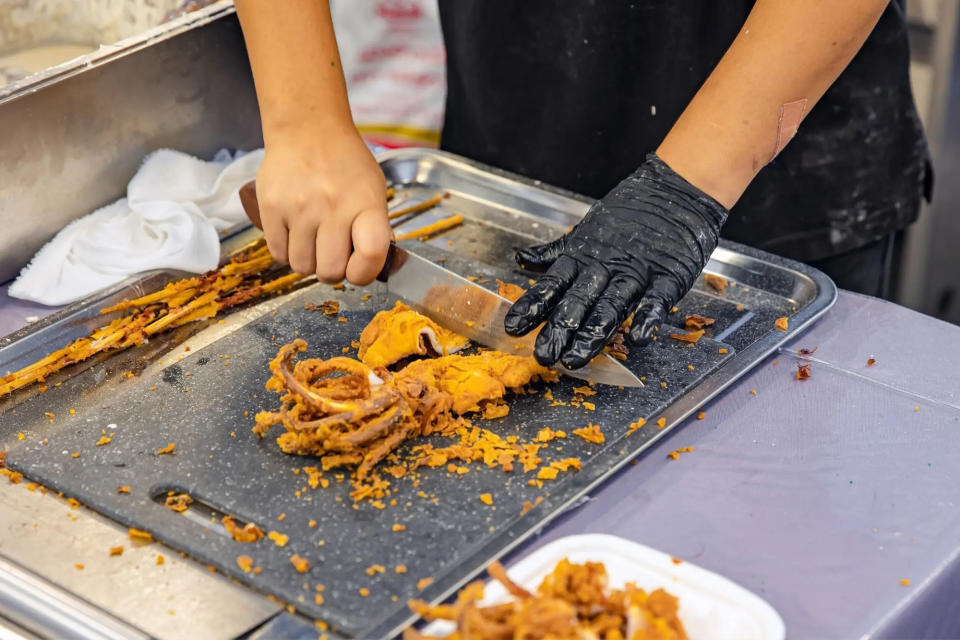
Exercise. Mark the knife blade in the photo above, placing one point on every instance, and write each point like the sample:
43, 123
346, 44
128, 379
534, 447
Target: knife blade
477, 313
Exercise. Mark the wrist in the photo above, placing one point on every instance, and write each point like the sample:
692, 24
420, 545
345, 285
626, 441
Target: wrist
722, 176
319, 135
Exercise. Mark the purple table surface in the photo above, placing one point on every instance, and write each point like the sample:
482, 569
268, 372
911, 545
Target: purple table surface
820, 495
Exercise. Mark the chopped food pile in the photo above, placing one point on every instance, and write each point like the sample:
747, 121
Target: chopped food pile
355, 413
573, 602
179, 303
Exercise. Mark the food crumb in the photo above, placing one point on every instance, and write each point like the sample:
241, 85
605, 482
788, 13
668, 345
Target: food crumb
721, 351
301, 564
312, 524
364, 592
167, 449
803, 371
486, 498
916, 408
397, 527
753, 392
279, 539
701, 415
717, 283
781, 324
423, 583
116, 551
160, 560
675, 454
123, 489
103, 440
871, 362
676, 560
401, 568
375, 569
591, 433
661, 423
75, 454
589, 406
634, 426
140, 535
245, 563
905, 582
78, 567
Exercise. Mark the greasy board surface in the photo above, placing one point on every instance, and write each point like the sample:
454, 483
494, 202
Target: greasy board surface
205, 404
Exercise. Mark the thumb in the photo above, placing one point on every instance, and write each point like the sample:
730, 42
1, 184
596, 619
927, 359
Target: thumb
541, 256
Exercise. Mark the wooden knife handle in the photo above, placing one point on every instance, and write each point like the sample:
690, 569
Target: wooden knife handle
248, 198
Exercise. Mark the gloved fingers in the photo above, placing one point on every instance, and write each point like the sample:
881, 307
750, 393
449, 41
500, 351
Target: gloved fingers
540, 257
570, 312
536, 304
663, 293
603, 322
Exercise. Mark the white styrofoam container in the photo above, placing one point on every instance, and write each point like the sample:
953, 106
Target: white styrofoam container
711, 606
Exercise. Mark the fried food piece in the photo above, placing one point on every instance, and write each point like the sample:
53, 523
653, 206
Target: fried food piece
359, 418
573, 602
472, 380
400, 333
178, 303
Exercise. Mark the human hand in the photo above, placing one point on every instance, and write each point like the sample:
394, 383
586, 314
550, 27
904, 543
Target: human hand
639, 250
323, 207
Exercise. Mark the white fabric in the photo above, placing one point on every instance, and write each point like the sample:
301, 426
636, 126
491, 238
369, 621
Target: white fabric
170, 219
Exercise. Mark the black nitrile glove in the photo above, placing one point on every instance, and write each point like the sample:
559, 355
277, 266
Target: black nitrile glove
639, 249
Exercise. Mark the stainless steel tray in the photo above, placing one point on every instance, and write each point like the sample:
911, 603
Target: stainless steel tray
504, 211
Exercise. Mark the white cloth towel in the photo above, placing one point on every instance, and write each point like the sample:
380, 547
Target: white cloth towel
175, 206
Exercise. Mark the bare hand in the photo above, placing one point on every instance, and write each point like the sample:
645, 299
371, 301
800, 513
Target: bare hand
323, 207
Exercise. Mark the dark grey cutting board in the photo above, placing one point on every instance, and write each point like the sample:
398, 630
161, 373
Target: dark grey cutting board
449, 535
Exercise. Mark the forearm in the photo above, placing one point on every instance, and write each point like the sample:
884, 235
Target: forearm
296, 67
788, 51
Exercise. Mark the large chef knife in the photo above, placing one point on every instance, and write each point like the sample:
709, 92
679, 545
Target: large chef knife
477, 313
463, 306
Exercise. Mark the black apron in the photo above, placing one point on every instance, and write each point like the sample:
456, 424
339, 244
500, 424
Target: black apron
576, 92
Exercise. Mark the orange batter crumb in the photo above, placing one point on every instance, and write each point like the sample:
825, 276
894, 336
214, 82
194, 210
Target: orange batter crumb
397, 527
245, 563
781, 324
167, 449
139, 535
123, 489
591, 433
301, 564
717, 283
691, 337
250, 532
279, 539
486, 498
423, 583
116, 551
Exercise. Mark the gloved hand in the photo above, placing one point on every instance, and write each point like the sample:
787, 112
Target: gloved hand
639, 249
